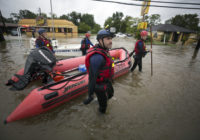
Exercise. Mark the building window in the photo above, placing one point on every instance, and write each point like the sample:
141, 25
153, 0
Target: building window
69, 30
48, 29
65, 30
59, 30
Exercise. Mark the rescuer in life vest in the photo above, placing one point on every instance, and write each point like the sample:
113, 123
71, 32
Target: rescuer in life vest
42, 40
85, 43
140, 51
100, 67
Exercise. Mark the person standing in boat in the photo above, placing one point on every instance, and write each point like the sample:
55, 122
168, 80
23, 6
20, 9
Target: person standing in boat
42, 40
100, 67
85, 43
140, 51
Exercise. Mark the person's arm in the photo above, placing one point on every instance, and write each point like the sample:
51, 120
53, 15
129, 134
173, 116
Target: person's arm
96, 62
89, 42
38, 43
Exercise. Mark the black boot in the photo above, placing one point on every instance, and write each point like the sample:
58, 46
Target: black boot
102, 110
88, 100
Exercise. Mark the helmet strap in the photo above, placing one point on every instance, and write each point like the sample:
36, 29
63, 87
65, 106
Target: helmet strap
103, 43
43, 36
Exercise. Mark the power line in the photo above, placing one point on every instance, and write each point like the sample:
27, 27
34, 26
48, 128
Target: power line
132, 4
169, 2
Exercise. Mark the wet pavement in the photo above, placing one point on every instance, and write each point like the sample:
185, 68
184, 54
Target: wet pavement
164, 106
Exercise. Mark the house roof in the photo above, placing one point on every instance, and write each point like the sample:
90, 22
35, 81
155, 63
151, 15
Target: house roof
9, 24
57, 22
170, 28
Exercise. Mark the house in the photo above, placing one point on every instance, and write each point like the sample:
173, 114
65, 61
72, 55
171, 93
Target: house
62, 28
9, 27
173, 33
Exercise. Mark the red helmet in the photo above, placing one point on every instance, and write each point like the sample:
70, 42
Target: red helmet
87, 35
143, 33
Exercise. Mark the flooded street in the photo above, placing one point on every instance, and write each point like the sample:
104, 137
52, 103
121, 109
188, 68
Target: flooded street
165, 106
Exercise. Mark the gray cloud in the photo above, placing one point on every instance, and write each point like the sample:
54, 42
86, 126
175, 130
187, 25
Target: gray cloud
101, 11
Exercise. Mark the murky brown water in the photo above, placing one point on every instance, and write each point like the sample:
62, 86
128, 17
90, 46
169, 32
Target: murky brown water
165, 106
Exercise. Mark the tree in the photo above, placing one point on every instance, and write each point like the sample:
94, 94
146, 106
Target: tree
85, 22
96, 28
126, 24
83, 28
75, 17
88, 19
54, 16
22, 14
64, 17
153, 19
44, 15
26, 14
115, 21
109, 21
189, 21
15, 17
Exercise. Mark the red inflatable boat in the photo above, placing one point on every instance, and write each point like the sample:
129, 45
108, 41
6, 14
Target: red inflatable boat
49, 96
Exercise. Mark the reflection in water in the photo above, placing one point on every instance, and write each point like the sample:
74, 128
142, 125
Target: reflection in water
2, 45
164, 106
195, 53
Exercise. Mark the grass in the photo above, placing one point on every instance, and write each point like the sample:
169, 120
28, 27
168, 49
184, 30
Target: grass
161, 43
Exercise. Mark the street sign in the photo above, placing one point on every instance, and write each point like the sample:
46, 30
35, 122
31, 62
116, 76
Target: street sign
142, 25
145, 7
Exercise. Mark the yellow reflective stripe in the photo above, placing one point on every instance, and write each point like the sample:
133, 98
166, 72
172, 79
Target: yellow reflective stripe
113, 64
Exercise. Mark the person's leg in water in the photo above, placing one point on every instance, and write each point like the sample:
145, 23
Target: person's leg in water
109, 90
88, 100
104, 92
140, 64
102, 99
134, 65
83, 52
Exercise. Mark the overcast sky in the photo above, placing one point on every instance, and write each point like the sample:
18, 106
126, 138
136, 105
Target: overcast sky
100, 10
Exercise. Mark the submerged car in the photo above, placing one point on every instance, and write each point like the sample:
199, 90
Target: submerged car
120, 35
14, 32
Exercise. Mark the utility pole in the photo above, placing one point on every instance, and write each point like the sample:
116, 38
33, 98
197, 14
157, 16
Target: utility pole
39, 10
52, 20
4, 28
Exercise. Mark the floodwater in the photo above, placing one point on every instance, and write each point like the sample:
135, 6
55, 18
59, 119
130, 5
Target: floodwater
165, 106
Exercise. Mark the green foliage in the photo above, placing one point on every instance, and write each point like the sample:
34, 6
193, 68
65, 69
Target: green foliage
96, 28
88, 19
189, 21
116, 21
167, 36
83, 28
64, 17
85, 22
129, 24
75, 17
54, 16
44, 15
26, 14
137, 34
22, 14
154, 19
